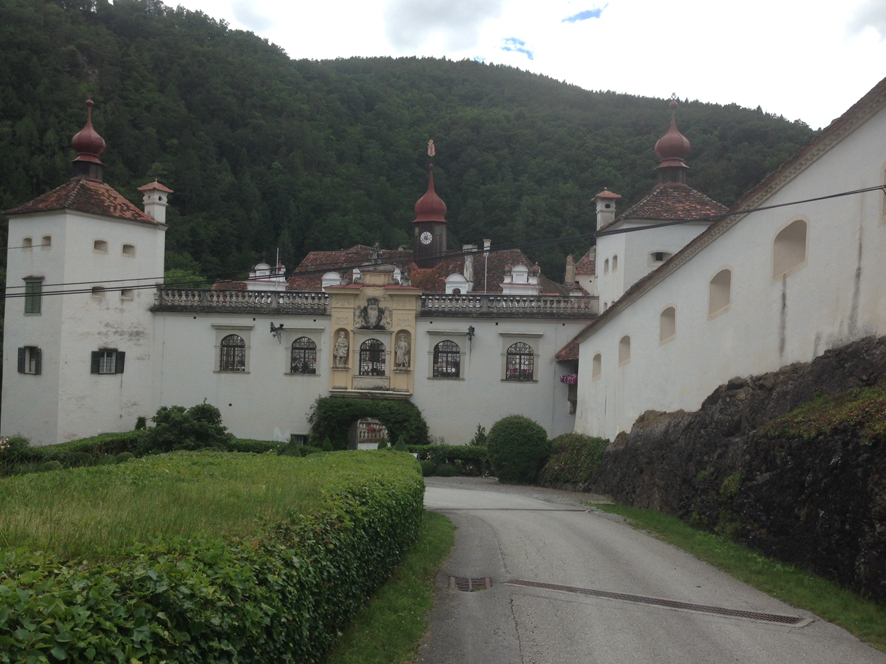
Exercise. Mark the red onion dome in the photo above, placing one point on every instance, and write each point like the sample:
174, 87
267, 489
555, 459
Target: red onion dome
673, 147
430, 207
87, 142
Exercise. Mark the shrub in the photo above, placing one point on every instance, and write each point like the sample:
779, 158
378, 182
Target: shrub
141, 423
474, 459
51, 465
428, 468
327, 445
401, 444
177, 428
383, 444
574, 459
123, 456
13, 451
517, 448
446, 470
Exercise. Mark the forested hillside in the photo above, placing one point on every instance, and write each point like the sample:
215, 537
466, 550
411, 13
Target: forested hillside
264, 152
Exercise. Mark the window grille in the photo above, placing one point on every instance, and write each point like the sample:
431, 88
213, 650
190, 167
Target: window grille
233, 354
447, 360
304, 356
372, 358
520, 362
33, 297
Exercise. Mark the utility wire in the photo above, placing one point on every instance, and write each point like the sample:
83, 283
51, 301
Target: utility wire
338, 267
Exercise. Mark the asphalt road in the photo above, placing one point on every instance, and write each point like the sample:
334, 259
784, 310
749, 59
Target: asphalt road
619, 596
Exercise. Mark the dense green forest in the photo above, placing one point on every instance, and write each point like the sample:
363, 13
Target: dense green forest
265, 152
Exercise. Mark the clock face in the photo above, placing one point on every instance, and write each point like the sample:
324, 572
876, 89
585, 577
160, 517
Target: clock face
425, 238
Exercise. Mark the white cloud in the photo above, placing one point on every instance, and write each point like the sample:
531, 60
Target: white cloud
872, 14
247, 15
409, 24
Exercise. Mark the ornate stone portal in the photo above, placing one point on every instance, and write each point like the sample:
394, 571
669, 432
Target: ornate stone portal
373, 355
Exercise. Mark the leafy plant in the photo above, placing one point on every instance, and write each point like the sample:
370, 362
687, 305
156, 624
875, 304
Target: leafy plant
517, 448
479, 438
177, 428
331, 417
574, 459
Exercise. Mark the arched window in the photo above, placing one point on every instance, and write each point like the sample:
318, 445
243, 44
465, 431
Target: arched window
624, 350
447, 360
789, 248
720, 292
597, 368
667, 324
303, 359
372, 358
520, 362
614, 263
233, 354
606, 266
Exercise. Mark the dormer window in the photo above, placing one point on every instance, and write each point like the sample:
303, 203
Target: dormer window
100, 246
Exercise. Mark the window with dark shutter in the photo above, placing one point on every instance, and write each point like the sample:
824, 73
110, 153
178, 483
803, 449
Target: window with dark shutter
107, 361
30, 360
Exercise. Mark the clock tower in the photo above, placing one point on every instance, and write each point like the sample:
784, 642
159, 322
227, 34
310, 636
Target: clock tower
429, 243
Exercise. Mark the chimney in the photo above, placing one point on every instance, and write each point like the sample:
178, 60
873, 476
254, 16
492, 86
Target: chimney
605, 208
570, 269
155, 200
469, 251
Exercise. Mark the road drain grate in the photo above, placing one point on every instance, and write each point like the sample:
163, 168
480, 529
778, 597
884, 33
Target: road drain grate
671, 604
466, 585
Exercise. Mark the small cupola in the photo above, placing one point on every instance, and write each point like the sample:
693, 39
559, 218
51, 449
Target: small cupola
89, 146
671, 149
155, 199
605, 207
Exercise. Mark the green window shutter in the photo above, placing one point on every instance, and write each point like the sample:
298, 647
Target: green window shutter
21, 360
121, 358
38, 361
95, 362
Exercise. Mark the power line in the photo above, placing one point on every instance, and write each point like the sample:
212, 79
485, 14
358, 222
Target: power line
338, 267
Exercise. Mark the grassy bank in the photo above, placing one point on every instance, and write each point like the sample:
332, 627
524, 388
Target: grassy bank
390, 628
863, 618
91, 512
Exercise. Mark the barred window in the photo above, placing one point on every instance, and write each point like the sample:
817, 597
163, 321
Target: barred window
520, 362
233, 354
372, 358
304, 356
33, 296
447, 360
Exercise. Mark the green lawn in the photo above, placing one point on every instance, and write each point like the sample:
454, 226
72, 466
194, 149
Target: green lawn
96, 511
863, 618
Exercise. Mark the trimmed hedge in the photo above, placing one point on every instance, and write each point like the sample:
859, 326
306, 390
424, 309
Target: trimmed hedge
331, 417
517, 447
281, 596
574, 459
467, 459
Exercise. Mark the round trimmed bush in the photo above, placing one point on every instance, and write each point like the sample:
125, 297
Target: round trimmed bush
428, 468
517, 448
446, 470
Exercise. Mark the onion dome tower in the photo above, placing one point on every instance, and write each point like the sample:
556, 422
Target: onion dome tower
671, 149
89, 145
429, 243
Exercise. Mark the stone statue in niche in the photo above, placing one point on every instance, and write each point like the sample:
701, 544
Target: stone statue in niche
340, 351
372, 316
401, 352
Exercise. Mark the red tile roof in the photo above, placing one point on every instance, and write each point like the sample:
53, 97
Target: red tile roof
586, 266
569, 352
85, 196
673, 203
309, 274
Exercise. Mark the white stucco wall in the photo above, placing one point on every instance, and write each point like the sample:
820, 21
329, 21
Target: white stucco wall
454, 407
66, 398
837, 296
265, 400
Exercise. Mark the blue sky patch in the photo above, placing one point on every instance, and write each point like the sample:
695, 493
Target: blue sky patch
585, 15
515, 45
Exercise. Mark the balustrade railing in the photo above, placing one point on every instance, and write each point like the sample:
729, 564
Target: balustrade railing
541, 306
291, 302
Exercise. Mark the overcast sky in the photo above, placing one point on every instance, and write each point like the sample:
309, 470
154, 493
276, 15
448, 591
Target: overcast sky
803, 59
